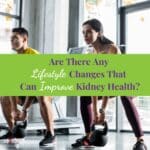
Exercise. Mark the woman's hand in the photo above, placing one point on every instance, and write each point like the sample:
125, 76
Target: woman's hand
99, 117
96, 117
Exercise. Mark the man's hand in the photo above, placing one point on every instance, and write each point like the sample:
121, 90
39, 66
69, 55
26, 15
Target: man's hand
16, 113
23, 115
19, 116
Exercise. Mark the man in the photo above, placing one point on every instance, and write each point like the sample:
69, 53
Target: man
19, 43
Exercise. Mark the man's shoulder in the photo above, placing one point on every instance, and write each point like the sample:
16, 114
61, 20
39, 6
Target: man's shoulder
30, 50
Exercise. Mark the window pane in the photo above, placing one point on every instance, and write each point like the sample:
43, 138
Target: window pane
143, 105
105, 11
10, 6
138, 32
131, 2
7, 24
111, 113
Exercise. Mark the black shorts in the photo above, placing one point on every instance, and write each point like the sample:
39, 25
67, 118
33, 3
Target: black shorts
23, 98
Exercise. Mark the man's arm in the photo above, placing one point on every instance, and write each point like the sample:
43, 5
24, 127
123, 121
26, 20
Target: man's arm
26, 106
27, 103
14, 100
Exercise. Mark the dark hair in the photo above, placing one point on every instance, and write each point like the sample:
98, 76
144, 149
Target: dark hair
98, 27
20, 31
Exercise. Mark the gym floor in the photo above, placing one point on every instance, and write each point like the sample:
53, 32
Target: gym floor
121, 141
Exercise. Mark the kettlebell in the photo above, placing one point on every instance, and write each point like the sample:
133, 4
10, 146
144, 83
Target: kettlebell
19, 131
99, 136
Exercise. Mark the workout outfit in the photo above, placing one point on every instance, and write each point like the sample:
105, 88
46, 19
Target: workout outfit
129, 107
131, 113
48, 139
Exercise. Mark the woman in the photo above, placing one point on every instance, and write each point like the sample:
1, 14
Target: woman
93, 35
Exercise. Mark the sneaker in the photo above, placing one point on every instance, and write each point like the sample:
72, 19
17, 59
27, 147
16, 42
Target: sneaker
83, 142
81, 139
76, 144
8, 135
48, 141
139, 145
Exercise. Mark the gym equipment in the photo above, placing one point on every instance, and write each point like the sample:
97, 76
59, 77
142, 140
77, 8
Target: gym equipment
67, 125
99, 135
140, 146
3, 131
19, 131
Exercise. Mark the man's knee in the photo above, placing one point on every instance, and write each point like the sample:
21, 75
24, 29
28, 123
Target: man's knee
45, 100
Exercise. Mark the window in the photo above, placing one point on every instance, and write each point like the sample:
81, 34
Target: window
105, 11
136, 28
143, 105
10, 6
138, 32
10, 17
110, 112
131, 2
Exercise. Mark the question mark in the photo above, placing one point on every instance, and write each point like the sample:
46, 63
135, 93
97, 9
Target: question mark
138, 84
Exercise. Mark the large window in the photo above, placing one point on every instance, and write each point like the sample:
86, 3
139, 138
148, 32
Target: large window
10, 17
10, 7
105, 11
135, 30
143, 105
131, 2
110, 113
135, 33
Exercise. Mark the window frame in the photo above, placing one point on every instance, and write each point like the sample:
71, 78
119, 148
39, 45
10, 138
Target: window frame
17, 17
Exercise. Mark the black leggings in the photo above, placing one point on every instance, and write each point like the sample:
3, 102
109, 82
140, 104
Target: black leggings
130, 110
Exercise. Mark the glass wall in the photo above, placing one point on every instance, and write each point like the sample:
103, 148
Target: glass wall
137, 41
143, 105
111, 113
105, 11
10, 6
7, 23
137, 32
9, 18
131, 2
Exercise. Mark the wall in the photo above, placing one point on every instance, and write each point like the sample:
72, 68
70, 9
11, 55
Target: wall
47, 22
